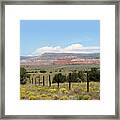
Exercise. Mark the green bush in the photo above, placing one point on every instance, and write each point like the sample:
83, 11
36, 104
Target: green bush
80, 97
64, 98
94, 75
43, 71
63, 90
86, 97
73, 77
52, 90
59, 78
23, 75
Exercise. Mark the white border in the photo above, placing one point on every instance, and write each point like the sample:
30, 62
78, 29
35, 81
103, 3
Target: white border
104, 13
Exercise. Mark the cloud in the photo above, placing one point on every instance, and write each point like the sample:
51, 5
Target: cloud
48, 50
74, 48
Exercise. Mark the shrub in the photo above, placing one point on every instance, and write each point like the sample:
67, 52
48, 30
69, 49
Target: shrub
56, 97
94, 75
23, 75
52, 90
32, 97
86, 97
59, 78
77, 90
73, 77
63, 90
64, 98
80, 97
43, 71
43, 95
81, 76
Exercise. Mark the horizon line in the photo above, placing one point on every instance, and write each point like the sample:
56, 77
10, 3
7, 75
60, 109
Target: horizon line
62, 53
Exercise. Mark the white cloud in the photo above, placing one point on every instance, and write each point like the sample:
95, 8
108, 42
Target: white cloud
74, 48
47, 49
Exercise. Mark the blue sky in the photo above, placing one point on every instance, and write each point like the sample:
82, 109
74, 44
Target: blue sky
39, 36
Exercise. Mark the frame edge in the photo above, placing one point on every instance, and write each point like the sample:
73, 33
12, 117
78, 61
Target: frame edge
2, 55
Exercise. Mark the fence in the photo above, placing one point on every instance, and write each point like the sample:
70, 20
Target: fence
45, 80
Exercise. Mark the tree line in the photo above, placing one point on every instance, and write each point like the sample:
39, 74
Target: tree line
81, 76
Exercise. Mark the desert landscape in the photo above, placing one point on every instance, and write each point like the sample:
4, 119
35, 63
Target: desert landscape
60, 60
42, 84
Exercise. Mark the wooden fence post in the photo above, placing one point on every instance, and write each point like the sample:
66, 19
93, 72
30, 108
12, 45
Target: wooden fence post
39, 80
43, 81
69, 81
87, 83
49, 81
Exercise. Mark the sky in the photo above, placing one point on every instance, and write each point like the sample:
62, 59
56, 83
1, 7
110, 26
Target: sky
59, 36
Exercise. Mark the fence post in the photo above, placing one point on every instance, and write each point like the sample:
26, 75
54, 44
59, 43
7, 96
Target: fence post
49, 81
43, 81
39, 80
69, 81
87, 83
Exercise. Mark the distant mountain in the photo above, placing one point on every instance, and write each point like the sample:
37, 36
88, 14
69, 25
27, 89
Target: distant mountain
60, 59
52, 56
70, 55
26, 57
